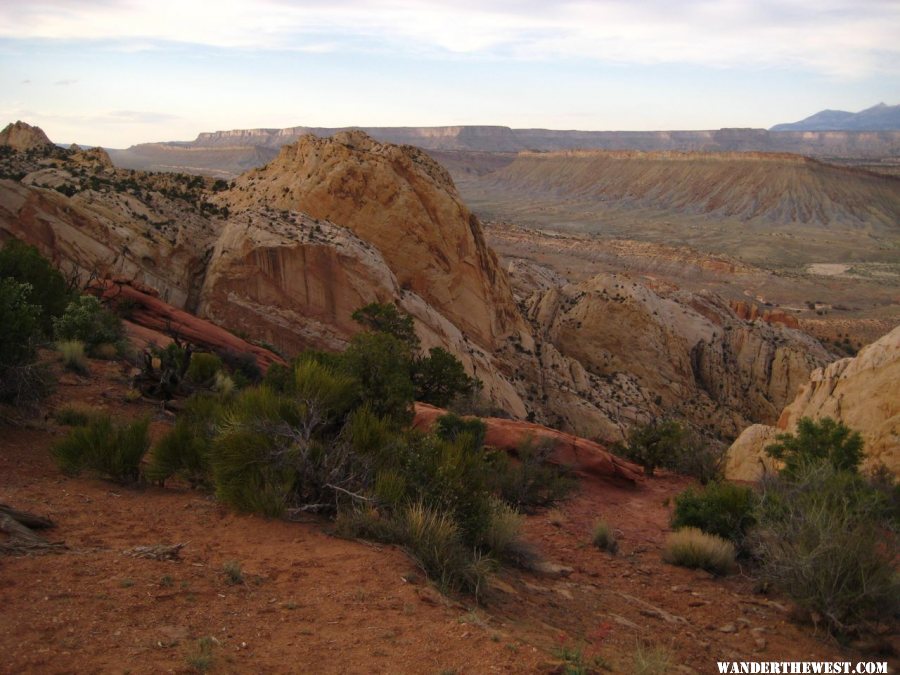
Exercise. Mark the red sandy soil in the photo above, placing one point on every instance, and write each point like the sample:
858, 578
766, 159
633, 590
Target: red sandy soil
314, 603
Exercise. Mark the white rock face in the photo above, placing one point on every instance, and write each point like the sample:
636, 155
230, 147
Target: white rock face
862, 392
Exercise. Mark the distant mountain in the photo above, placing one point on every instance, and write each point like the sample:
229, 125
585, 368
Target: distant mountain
881, 117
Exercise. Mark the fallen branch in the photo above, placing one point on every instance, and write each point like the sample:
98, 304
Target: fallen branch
647, 609
347, 492
158, 552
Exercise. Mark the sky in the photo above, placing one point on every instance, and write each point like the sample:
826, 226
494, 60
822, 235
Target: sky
120, 72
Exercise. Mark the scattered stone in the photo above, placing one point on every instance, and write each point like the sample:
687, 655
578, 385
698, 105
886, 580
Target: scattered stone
728, 628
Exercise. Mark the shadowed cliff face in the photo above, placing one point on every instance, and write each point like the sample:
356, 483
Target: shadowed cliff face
405, 204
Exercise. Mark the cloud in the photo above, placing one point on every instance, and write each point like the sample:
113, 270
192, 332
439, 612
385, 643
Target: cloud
835, 37
64, 83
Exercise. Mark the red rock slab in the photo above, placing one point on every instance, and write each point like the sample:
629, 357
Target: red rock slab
157, 315
585, 457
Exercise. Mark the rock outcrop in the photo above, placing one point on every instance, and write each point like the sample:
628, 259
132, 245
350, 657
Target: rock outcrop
585, 457
672, 352
862, 392
288, 252
405, 204
23, 137
148, 311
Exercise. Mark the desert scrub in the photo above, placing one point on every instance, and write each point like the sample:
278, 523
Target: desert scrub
721, 508
433, 539
110, 449
233, 573
501, 537
203, 369
604, 538
75, 415
201, 657
651, 659
73, 356
531, 482
691, 547
824, 440
824, 539
185, 449
86, 319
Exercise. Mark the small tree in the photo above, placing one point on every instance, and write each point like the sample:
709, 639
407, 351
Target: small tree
823, 441
386, 318
655, 444
381, 364
440, 377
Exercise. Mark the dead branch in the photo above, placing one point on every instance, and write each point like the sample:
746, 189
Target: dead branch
158, 552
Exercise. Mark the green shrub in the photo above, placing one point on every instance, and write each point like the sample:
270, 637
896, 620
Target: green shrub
450, 427
433, 539
690, 547
203, 368
278, 377
720, 508
367, 522
450, 476
822, 540
49, 290
281, 450
603, 537
73, 358
233, 573
818, 441
243, 366
110, 449
531, 481
21, 322
85, 319
501, 537
186, 447
75, 415
253, 456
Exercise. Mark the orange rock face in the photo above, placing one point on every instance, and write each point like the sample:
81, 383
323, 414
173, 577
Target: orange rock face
152, 313
749, 311
405, 204
587, 458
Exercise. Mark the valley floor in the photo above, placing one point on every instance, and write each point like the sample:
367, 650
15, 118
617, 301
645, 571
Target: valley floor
311, 602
